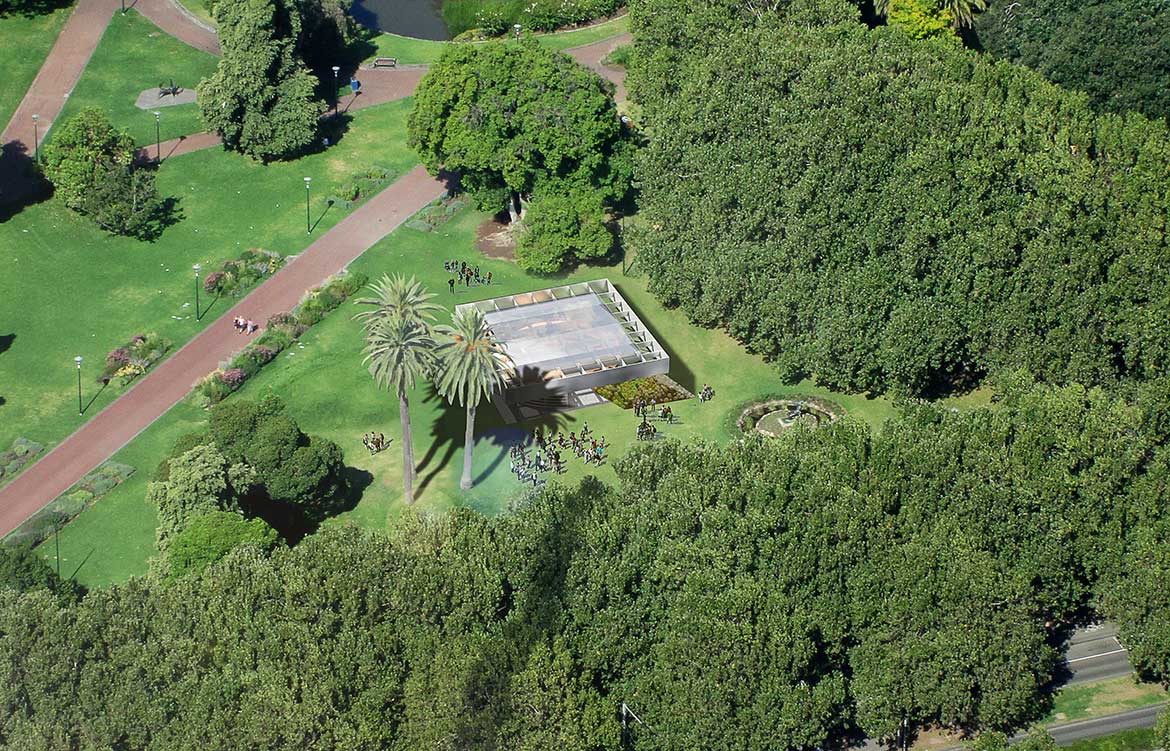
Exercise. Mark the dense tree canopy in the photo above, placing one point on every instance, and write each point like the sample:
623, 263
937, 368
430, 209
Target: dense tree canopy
1118, 51
260, 98
880, 212
521, 123
767, 594
92, 167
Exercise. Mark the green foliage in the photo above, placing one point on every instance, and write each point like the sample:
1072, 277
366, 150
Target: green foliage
968, 218
198, 482
1139, 598
91, 166
209, 537
492, 17
23, 570
765, 594
921, 19
327, 30
293, 467
518, 121
1162, 729
561, 229
624, 394
260, 99
1117, 51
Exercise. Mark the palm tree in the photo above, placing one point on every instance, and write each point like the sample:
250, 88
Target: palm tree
400, 352
471, 365
398, 297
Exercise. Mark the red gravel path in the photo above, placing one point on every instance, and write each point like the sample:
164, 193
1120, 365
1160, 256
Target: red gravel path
163, 387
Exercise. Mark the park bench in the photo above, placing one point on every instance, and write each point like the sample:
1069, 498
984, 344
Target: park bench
385, 62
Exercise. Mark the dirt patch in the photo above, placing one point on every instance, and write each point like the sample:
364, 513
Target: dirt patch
494, 239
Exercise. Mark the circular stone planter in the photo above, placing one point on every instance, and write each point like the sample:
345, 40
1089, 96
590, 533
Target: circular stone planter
773, 417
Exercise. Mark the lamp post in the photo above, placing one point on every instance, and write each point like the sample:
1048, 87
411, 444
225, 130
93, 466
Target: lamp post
77, 360
37, 138
196, 267
157, 136
123, 7
336, 96
516, 28
308, 222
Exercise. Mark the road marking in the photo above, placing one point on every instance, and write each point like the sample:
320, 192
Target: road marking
1093, 657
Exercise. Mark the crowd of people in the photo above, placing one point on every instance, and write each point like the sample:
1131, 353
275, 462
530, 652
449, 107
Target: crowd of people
547, 453
706, 393
375, 442
245, 325
463, 273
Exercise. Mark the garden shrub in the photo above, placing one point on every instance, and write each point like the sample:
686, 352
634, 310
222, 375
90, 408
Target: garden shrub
625, 394
133, 358
210, 536
21, 453
37, 528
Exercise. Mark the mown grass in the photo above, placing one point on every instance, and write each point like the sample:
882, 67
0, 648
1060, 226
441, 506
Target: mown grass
409, 50
1101, 698
67, 288
1135, 739
25, 41
135, 55
330, 393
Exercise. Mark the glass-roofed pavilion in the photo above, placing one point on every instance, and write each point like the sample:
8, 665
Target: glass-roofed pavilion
570, 339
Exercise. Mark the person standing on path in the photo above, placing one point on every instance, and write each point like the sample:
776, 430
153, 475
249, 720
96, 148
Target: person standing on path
451, 282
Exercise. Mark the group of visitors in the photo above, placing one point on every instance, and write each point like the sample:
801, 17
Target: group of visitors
245, 325
706, 393
375, 443
646, 410
547, 457
461, 271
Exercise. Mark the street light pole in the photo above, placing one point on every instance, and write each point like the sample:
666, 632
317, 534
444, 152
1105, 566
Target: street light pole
123, 7
77, 360
196, 267
308, 221
157, 136
336, 96
37, 138
517, 29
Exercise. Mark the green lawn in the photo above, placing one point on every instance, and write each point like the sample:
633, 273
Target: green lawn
134, 55
1100, 698
24, 43
330, 393
409, 50
1137, 739
67, 288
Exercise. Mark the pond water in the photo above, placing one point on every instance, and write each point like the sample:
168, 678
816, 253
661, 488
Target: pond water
411, 18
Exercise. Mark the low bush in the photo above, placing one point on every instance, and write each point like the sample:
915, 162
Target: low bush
238, 275
69, 504
625, 394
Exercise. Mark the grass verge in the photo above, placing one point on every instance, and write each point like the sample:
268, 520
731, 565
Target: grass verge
1100, 698
1135, 739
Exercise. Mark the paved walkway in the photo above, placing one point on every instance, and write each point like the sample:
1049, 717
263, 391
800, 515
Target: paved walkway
170, 381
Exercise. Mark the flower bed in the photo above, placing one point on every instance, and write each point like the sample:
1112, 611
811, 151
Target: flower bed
436, 213
14, 459
133, 358
660, 390
361, 185
237, 275
282, 330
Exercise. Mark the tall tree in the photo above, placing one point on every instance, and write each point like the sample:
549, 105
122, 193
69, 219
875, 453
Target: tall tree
400, 353
260, 98
514, 119
471, 365
397, 297
91, 165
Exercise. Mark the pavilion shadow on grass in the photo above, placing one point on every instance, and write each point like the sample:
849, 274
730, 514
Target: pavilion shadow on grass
566, 341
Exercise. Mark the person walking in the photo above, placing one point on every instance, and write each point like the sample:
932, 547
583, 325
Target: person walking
451, 283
